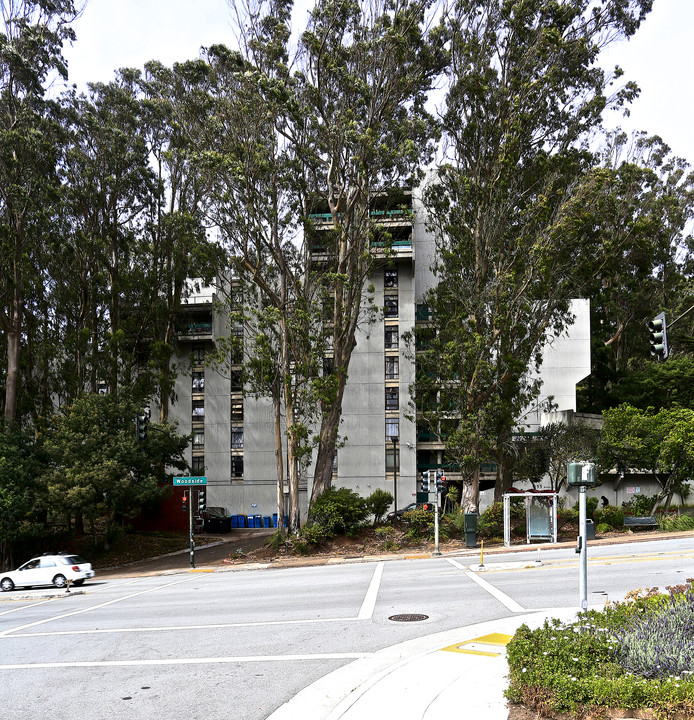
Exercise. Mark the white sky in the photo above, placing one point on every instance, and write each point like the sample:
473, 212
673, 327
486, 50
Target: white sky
127, 33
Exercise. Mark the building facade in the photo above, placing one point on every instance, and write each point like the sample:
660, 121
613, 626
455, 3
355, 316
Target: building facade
233, 436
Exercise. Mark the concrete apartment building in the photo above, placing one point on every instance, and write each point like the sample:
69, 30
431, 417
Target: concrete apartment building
233, 436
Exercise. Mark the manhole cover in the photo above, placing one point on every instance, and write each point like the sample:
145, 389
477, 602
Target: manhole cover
408, 618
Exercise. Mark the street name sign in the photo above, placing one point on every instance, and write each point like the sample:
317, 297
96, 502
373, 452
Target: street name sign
190, 481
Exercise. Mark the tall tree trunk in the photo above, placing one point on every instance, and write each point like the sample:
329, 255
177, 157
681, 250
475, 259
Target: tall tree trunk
280, 463
13, 344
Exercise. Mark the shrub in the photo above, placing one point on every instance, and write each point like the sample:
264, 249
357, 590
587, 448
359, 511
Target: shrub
421, 523
314, 534
378, 503
603, 528
386, 534
672, 522
639, 505
339, 511
591, 507
660, 644
589, 665
491, 522
611, 515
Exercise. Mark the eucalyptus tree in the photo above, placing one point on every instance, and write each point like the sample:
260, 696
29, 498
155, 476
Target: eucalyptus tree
31, 43
524, 97
632, 214
250, 166
111, 188
174, 108
343, 122
364, 74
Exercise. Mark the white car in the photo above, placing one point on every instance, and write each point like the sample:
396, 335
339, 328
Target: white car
55, 570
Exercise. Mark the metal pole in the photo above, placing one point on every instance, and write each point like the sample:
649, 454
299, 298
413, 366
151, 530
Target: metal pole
436, 519
583, 573
190, 524
396, 460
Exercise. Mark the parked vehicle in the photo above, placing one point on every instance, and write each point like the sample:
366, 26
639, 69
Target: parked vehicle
55, 570
397, 514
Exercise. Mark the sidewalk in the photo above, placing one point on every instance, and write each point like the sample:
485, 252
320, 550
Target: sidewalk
429, 678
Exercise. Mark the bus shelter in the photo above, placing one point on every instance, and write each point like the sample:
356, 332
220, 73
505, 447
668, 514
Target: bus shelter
540, 515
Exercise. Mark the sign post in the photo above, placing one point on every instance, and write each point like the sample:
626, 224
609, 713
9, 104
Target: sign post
582, 475
189, 483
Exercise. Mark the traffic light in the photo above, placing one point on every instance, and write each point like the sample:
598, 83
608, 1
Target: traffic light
142, 420
658, 337
202, 501
186, 506
440, 480
425, 481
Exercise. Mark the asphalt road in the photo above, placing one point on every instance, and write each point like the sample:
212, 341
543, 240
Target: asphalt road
221, 642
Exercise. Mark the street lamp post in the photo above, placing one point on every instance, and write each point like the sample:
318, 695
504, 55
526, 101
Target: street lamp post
394, 439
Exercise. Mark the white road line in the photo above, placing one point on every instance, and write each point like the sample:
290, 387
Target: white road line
7, 633
179, 628
369, 603
188, 661
29, 605
503, 598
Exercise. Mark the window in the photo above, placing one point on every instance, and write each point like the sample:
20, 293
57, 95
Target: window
237, 438
198, 355
392, 427
236, 466
390, 302
197, 465
391, 338
198, 440
392, 368
236, 383
328, 366
198, 382
237, 411
198, 409
392, 398
390, 279
392, 459
237, 345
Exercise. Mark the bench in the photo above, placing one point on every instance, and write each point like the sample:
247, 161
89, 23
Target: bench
645, 521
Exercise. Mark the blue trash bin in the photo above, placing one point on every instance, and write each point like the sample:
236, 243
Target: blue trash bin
266, 521
258, 521
234, 521
274, 520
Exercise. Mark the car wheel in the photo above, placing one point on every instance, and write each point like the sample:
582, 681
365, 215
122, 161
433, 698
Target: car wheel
59, 581
78, 582
6, 584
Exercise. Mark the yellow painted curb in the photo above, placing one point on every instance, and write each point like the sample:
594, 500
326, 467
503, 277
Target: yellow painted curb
493, 639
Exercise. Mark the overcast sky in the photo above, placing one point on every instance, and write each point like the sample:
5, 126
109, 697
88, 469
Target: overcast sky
127, 33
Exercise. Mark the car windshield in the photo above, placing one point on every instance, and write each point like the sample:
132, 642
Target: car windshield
72, 560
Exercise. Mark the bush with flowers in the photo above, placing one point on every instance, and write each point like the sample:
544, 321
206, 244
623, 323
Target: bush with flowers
636, 656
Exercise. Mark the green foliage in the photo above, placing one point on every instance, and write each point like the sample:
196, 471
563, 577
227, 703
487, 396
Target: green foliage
421, 524
591, 507
639, 505
339, 511
277, 540
610, 515
661, 443
673, 522
603, 528
378, 503
314, 533
386, 534
490, 523
585, 665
